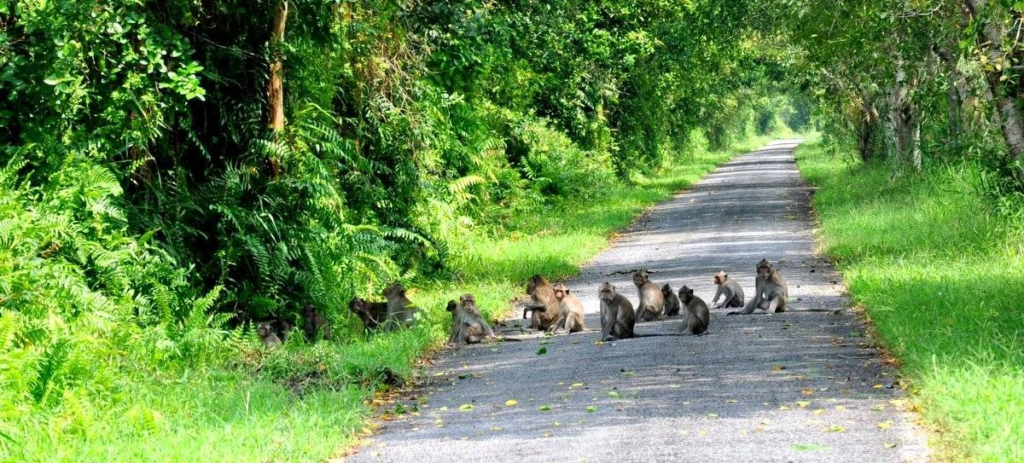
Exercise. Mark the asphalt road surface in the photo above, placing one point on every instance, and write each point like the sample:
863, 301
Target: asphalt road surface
801, 386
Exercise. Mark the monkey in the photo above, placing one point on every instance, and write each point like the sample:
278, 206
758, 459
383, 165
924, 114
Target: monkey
617, 316
313, 322
771, 292
468, 325
284, 327
730, 289
697, 314
267, 336
671, 301
372, 314
570, 311
401, 311
652, 303
544, 305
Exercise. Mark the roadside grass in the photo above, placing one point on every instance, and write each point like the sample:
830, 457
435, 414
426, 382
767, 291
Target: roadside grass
942, 277
309, 402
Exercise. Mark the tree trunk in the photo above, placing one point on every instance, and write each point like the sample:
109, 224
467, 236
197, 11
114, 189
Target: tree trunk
275, 90
1011, 124
867, 131
905, 123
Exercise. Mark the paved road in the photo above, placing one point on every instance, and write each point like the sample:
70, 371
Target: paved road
800, 386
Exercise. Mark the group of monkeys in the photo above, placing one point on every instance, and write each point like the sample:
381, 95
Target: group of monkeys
554, 308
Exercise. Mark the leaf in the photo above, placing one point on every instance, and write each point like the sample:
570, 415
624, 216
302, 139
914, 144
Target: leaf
803, 403
885, 424
545, 408
890, 445
613, 394
511, 403
591, 409
542, 351
712, 415
837, 428
809, 447
577, 385
465, 407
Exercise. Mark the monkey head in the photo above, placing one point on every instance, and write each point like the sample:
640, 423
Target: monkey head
720, 277
468, 303
666, 290
263, 329
685, 293
308, 310
395, 290
560, 291
641, 277
357, 305
606, 292
764, 268
452, 305
535, 282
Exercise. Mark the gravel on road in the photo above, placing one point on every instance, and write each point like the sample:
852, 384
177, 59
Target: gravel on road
807, 385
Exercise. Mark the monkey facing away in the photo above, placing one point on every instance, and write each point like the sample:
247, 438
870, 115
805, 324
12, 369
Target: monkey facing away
267, 336
543, 303
401, 311
617, 316
696, 312
731, 290
652, 303
372, 314
671, 301
468, 325
570, 311
771, 292
313, 323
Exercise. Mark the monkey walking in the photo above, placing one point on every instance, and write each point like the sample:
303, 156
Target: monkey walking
771, 292
730, 289
543, 303
617, 316
570, 311
696, 310
672, 303
652, 302
372, 314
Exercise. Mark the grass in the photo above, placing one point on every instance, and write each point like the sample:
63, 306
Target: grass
311, 402
942, 279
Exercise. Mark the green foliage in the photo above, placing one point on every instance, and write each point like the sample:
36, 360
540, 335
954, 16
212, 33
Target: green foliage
943, 290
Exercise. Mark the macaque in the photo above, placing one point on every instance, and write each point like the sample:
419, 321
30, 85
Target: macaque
696, 311
771, 292
468, 324
730, 289
671, 301
267, 336
313, 323
652, 303
372, 314
401, 311
543, 303
617, 316
570, 311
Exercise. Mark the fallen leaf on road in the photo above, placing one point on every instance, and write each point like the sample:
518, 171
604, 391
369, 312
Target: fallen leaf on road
598, 343
803, 403
819, 411
731, 401
545, 408
784, 408
712, 415
613, 394
885, 424
837, 429
807, 391
878, 386
591, 409
808, 447
675, 385
890, 445
511, 402
465, 407
542, 351
778, 367
577, 385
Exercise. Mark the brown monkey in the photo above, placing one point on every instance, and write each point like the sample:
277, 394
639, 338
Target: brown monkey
570, 311
730, 289
697, 314
401, 311
671, 301
267, 336
313, 322
468, 325
652, 303
543, 303
372, 314
617, 317
771, 292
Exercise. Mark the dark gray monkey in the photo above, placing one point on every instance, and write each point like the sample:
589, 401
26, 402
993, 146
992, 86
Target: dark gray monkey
672, 304
617, 316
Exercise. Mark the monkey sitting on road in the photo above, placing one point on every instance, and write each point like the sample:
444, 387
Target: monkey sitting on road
372, 314
543, 303
617, 316
771, 292
671, 301
468, 325
697, 314
267, 336
652, 303
570, 311
730, 289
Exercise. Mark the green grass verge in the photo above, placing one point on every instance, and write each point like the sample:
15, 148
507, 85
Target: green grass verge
942, 278
310, 402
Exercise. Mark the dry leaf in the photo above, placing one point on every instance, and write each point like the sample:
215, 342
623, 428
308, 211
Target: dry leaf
511, 403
